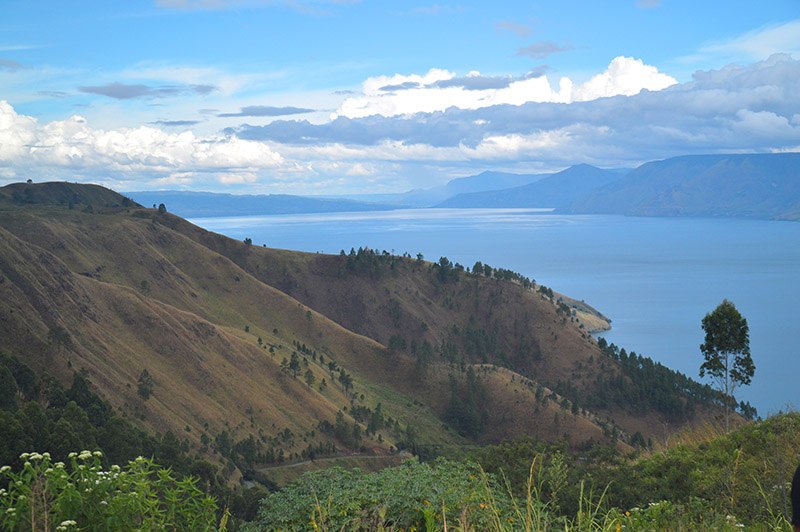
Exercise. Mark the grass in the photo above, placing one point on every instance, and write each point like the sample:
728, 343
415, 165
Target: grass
730, 482
471, 500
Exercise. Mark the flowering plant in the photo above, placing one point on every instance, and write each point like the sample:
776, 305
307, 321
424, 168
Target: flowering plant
82, 495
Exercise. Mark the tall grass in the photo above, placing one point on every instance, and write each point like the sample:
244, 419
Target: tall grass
494, 507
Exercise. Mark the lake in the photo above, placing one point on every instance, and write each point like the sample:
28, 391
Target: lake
654, 277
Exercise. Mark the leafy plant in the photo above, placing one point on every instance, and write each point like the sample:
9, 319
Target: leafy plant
82, 495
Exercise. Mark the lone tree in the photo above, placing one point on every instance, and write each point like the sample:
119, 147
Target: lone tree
726, 350
145, 385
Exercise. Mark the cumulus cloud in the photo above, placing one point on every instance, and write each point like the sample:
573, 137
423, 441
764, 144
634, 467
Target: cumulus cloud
625, 76
72, 144
438, 127
438, 89
123, 91
736, 108
265, 110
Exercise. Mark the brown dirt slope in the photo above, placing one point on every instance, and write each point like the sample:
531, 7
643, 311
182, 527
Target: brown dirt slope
136, 289
473, 320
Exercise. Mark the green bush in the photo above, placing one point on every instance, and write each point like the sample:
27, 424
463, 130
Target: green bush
400, 497
81, 495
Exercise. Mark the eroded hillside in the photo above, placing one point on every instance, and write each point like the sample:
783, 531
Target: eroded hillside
296, 350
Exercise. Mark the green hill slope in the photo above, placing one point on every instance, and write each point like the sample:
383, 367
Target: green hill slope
363, 353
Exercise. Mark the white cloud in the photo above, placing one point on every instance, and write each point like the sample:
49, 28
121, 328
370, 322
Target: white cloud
763, 124
405, 95
360, 169
74, 144
624, 76
16, 133
176, 178
436, 125
754, 45
237, 178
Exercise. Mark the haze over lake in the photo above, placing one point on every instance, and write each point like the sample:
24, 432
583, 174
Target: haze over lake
654, 277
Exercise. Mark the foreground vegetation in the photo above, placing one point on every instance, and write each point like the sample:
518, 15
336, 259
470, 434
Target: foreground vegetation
710, 482
82, 495
740, 480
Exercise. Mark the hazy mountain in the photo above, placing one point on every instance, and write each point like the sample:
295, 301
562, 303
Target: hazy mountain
429, 197
753, 186
202, 204
554, 190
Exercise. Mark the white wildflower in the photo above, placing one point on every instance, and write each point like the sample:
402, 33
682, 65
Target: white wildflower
4, 469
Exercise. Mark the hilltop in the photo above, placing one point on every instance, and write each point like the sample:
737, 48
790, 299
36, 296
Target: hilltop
303, 354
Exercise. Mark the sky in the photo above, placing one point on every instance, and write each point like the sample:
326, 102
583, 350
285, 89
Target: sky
352, 97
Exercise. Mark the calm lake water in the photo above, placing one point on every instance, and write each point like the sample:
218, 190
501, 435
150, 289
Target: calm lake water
654, 277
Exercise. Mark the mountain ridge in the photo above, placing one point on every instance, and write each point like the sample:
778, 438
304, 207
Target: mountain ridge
736, 185
553, 191
239, 339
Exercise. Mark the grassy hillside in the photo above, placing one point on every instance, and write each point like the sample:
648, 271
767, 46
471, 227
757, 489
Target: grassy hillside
432, 313
293, 355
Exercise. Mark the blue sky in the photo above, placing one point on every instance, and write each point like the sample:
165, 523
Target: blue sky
346, 96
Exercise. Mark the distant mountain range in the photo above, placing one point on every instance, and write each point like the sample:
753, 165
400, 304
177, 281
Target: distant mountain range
430, 197
752, 186
763, 186
209, 204
557, 190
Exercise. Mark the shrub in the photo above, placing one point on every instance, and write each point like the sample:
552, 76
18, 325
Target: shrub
81, 495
